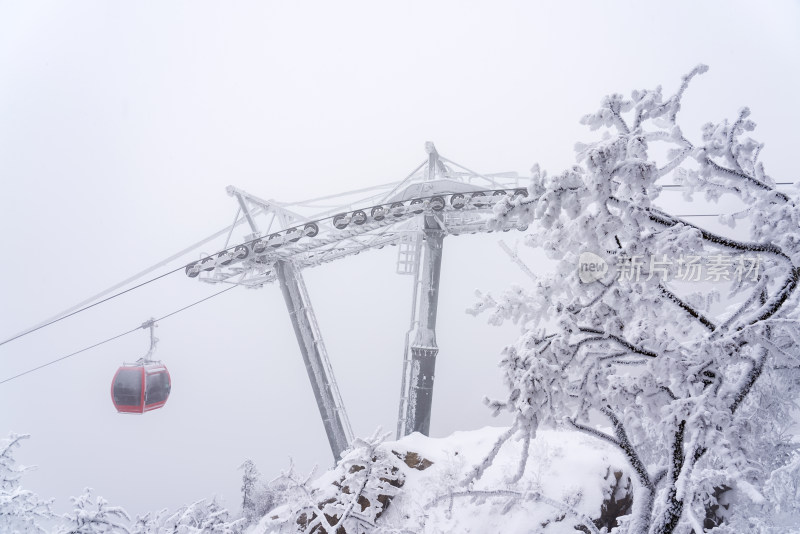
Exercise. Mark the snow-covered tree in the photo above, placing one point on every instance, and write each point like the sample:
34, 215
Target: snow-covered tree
250, 476
627, 340
94, 516
21, 510
257, 497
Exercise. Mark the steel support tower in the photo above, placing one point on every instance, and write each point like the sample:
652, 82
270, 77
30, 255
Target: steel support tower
439, 198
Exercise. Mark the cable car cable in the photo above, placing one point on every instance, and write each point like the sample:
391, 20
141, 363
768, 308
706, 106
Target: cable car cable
114, 337
92, 305
135, 277
30, 331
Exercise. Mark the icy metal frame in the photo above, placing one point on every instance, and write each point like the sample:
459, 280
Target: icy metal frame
438, 198
318, 367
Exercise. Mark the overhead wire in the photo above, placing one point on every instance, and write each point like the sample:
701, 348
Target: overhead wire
73, 311
113, 337
61, 318
77, 308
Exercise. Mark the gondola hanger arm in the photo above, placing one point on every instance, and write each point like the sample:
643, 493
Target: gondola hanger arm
151, 324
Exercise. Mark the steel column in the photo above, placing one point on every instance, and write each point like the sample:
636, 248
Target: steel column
315, 358
424, 348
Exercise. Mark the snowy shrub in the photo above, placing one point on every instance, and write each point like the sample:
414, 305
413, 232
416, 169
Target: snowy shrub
206, 517
21, 511
697, 396
150, 523
201, 517
94, 516
347, 500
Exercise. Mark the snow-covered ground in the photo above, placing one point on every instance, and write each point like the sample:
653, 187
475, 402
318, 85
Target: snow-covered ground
567, 478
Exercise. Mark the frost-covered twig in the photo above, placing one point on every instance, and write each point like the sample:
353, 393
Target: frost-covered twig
477, 472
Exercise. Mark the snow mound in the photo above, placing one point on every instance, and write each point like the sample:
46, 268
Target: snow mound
420, 484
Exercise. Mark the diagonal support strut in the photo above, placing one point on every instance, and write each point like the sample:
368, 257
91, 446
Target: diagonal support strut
315, 358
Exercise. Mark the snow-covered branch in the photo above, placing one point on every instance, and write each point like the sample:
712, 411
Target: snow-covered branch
21, 510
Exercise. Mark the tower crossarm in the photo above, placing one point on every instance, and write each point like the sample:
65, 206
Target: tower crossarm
459, 207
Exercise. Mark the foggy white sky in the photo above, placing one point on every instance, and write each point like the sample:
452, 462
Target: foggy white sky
121, 124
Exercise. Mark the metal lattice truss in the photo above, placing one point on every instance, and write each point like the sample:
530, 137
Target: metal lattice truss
325, 229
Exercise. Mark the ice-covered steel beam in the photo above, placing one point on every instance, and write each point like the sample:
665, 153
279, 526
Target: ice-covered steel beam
320, 374
317, 240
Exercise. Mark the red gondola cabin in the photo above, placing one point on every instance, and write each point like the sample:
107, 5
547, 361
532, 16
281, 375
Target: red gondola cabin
140, 387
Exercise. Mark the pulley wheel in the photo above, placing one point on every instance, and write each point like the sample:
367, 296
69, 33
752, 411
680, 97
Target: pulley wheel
340, 221
378, 213
359, 217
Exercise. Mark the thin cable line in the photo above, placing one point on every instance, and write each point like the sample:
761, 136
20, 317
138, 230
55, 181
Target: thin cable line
196, 303
70, 355
25, 333
114, 337
141, 274
137, 286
